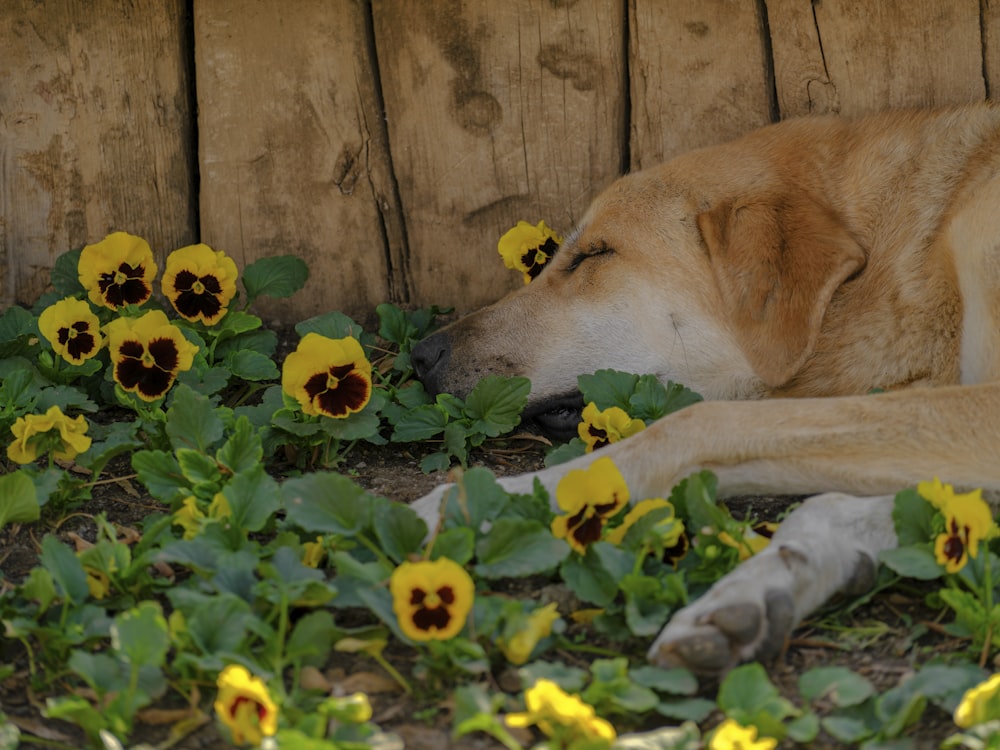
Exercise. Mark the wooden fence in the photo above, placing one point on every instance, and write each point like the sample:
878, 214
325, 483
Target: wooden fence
390, 143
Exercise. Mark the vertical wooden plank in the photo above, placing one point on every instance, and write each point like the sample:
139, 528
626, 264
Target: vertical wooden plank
95, 132
862, 57
699, 75
497, 112
293, 152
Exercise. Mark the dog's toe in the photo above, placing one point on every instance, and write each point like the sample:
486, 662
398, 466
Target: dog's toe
706, 650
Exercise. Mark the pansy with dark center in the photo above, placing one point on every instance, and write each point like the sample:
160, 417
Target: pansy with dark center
527, 248
431, 598
330, 377
600, 428
200, 283
117, 271
245, 706
72, 329
590, 498
147, 353
967, 522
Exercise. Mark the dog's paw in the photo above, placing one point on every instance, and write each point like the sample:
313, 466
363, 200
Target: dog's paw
749, 614
827, 546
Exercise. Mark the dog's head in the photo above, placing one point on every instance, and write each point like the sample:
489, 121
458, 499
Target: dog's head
723, 293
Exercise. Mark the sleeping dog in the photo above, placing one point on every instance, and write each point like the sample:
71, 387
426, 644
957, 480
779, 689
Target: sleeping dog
784, 276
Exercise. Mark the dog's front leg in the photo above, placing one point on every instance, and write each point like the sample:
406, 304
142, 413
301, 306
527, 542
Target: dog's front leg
828, 545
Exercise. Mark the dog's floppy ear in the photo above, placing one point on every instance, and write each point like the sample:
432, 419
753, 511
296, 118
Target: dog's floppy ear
777, 262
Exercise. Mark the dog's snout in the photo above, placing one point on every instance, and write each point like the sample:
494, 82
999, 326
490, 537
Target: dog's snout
429, 358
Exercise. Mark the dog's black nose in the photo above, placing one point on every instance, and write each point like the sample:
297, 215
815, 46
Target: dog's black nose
429, 359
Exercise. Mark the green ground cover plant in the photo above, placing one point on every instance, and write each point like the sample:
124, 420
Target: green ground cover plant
264, 557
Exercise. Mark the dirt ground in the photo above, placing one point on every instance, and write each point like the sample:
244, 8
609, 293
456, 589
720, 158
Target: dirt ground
876, 640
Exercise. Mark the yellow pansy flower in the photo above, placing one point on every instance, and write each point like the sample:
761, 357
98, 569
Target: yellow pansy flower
147, 353
431, 598
117, 271
72, 329
537, 625
979, 704
731, 735
561, 715
245, 706
588, 498
328, 376
527, 248
36, 433
200, 283
600, 428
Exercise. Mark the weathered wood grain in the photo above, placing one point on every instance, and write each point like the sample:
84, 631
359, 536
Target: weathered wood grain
496, 112
699, 75
292, 150
855, 58
96, 132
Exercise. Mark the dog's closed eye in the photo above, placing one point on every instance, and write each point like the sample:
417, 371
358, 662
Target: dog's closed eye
591, 251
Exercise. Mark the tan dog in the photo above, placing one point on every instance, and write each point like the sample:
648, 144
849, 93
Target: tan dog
816, 257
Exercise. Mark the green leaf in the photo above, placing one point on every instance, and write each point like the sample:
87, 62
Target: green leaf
608, 388
915, 561
393, 324
432, 462
476, 711
565, 452
65, 277
140, 635
652, 400
589, 579
251, 365
197, 468
515, 548
243, 450
312, 639
358, 426
649, 601
279, 277
324, 503
747, 695
686, 709
18, 499
496, 403
17, 332
76, 711
913, 518
475, 499
192, 422
400, 531
671, 681
161, 474
333, 325
839, 685
420, 423
253, 498
458, 544
66, 569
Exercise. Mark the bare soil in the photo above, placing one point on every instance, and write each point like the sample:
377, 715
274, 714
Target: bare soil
875, 639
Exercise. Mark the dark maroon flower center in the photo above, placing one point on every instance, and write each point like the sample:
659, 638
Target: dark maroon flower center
149, 370
585, 527
197, 296
530, 258
124, 286
77, 339
338, 391
427, 617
